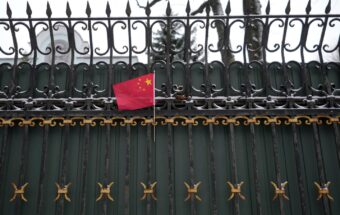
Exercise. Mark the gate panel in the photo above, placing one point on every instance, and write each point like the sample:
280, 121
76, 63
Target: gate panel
180, 154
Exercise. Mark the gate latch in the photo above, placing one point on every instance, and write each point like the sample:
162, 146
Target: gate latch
192, 191
323, 191
149, 191
19, 192
62, 191
280, 191
105, 191
235, 190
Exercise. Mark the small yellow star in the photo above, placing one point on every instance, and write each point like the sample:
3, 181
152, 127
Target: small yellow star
148, 82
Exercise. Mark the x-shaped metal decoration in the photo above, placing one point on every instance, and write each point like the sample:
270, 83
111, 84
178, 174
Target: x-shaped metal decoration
280, 191
192, 191
323, 191
105, 191
62, 192
19, 192
149, 191
235, 190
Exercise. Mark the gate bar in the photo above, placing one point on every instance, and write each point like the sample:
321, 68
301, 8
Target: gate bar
321, 170
42, 170
234, 174
127, 172
22, 172
149, 165
171, 167
63, 176
3, 155
84, 170
299, 173
256, 171
106, 162
192, 169
277, 163
212, 166
337, 140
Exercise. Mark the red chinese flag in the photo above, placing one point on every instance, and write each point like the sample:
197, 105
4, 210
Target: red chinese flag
135, 93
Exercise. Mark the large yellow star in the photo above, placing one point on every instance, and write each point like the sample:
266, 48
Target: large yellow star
148, 82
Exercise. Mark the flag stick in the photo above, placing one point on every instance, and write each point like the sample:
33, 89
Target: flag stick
154, 106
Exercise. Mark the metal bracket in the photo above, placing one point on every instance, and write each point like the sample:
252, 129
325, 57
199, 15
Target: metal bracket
323, 191
19, 192
62, 191
149, 191
192, 191
105, 191
235, 190
280, 191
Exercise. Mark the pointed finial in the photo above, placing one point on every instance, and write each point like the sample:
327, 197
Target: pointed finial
128, 9
68, 10
168, 9
328, 8
268, 8
228, 8
147, 9
9, 11
48, 10
188, 9
288, 8
28, 10
108, 9
88, 9
308, 8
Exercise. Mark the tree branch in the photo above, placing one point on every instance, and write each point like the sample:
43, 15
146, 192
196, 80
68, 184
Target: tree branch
201, 8
152, 3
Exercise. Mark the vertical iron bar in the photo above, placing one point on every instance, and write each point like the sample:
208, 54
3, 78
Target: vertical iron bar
107, 162
206, 65
23, 163
42, 170
34, 45
212, 167
63, 175
227, 83
110, 46
303, 41
72, 44
84, 170
277, 163
148, 168
128, 13
256, 171
171, 167
16, 54
287, 83
234, 175
167, 51
90, 76
337, 140
187, 53
320, 164
127, 172
148, 34
247, 84
299, 169
50, 28
3, 156
325, 83
192, 169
